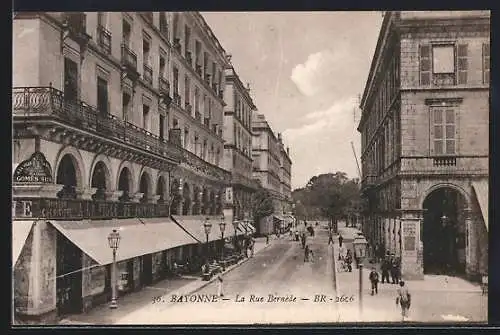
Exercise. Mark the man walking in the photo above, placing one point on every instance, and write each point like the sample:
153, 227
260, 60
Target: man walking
340, 240
393, 268
330, 237
403, 298
306, 254
385, 269
374, 280
220, 291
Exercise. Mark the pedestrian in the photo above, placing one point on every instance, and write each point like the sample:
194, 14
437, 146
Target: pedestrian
311, 255
297, 235
306, 253
393, 269
340, 240
330, 238
374, 280
220, 281
403, 298
386, 265
348, 260
267, 238
397, 270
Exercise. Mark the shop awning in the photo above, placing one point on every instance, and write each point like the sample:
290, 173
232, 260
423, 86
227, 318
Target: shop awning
138, 237
194, 225
20, 232
481, 190
251, 227
242, 228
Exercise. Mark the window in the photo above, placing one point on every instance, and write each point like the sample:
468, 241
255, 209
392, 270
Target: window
162, 126
187, 90
126, 33
145, 51
197, 47
162, 67
102, 95
186, 138
462, 65
175, 123
443, 130
70, 80
145, 117
176, 81
164, 24
125, 105
187, 40
197, 100
443, 59
204, 153
425, 65
486, 63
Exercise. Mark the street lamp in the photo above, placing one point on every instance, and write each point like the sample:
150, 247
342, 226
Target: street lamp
208, 226
114, 242
222, 226
235, 225
360, 252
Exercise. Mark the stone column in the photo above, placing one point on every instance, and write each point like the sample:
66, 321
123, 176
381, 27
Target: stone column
411, 260
136, 197
471, 245
113, 195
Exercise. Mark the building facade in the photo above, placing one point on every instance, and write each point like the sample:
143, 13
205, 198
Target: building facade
272, 168
117, 124
424, 132
238, 143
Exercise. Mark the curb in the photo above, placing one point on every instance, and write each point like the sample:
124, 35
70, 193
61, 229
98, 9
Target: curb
335, 272
208, 282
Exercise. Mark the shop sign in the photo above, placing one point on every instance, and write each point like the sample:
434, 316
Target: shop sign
36, 169
84, 209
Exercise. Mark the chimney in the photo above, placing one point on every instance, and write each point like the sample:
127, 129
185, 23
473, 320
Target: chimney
288, 151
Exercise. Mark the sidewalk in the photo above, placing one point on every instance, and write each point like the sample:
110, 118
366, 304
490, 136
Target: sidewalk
143, 299
434, 299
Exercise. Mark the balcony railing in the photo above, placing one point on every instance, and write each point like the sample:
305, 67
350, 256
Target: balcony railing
148, 74
104, 39
47, 101
164, 28
447, 165
199, 164
76, 22
129, 58
164, 86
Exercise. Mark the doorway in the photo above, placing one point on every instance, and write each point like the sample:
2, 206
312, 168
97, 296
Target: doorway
69, 277
147, 270
443, 232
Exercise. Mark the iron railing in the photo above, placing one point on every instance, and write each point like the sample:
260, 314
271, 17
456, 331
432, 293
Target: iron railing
104, 39
129, 57
48, 101
201, 165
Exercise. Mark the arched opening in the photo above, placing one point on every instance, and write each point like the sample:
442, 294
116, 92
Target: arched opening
144, 187
186, 195
175, 197
160, 189
196, 201
212, 203
124, 184
66, 175
218, 201
99, 179
205, 204
443, 232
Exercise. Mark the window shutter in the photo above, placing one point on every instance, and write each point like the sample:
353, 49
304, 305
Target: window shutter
462, 64
425, 64
431, 132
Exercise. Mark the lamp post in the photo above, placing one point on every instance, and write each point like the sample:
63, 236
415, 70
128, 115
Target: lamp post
208, 226
222, 226
360, 252
235, 225
114, 242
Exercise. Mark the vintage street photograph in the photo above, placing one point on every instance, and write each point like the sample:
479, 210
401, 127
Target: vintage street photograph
250, 168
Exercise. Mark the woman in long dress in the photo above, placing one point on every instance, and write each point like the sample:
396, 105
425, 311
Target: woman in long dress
220, 291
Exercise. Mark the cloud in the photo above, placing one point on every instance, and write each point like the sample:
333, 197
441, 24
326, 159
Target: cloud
313, 76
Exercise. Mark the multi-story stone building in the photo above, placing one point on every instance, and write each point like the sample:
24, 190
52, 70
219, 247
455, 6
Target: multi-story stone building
272, 167
117, 124
238, 143
424, 131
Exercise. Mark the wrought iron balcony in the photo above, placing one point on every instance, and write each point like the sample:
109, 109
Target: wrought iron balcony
129, 58
449, 165
104, 39
36, 102
164, 28
164, 86
147, 74
198, 164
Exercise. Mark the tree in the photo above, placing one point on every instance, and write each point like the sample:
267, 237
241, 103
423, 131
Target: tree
262, 204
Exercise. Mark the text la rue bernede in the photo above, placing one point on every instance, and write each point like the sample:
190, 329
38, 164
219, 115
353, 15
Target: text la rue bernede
251, 298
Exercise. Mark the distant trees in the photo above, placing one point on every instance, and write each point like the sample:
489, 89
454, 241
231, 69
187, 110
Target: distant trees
262, 204
330, 195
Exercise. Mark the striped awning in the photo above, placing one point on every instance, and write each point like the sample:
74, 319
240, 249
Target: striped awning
20, 232
481, 189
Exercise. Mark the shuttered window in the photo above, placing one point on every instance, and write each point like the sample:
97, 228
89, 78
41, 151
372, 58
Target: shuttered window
486, 63
425, 65
443, 131
102, 95
462, 63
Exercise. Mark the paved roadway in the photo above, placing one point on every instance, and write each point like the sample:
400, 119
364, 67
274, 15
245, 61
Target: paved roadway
280, 271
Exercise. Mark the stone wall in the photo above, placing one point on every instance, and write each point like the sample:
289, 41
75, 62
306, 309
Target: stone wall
47, 263
22, 276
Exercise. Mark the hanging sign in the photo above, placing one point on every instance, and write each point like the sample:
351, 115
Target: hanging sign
36, 169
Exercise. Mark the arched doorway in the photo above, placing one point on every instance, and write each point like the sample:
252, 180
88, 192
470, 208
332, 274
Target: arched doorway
443, 232
186, 195
125, 184
144, 187
205, 204
196, 201
160, 189
99, 181
176, 197
66, 175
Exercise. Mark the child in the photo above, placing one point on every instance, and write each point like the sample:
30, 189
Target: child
374, 280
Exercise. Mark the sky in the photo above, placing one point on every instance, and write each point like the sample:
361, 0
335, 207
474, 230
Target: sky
307, 71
